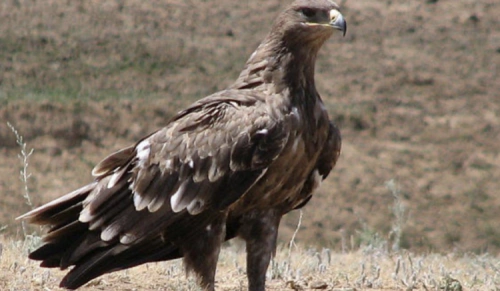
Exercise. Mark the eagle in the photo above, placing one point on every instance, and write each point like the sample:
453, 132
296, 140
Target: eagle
230, 165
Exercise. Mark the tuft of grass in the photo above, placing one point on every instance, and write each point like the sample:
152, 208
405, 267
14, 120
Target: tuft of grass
400, 215
24, 157
31, 241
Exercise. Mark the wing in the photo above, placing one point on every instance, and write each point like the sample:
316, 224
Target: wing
326, 162
206, 158
165, 188
331, 152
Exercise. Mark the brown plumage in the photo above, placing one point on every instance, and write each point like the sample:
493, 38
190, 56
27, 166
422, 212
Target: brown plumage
230, 165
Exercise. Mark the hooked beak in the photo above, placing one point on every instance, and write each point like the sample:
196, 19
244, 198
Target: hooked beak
337, 21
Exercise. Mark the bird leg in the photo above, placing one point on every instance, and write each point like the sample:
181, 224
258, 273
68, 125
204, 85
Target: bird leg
202, 252
259, 230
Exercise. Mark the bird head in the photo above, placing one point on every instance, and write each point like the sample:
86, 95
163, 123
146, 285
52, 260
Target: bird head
322, 14
310, 21
288, 53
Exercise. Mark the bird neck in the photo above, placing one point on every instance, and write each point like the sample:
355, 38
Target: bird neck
299, 66
276, 66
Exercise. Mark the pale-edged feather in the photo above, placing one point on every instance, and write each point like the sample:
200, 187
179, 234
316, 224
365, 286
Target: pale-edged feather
140, 225
102, 194
107, 211
161, 190
203, 198
196, 206
117, 176
122, 223
185, 171
158, 188
201, 170
103, 199
142, 181
177, 197
215, 172
190, 192
111, 231
113, 161
104, 217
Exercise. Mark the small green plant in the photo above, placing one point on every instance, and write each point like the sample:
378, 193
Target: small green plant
368, 239
30, 240
24, 157
399, 211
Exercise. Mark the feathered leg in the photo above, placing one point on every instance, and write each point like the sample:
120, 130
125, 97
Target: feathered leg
202, 252
259, 230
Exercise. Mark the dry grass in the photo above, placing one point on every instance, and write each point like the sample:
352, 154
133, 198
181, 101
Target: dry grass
414, 87
374, 265
308, 269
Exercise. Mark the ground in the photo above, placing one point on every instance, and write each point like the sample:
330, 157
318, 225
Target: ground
369, 268
414, 87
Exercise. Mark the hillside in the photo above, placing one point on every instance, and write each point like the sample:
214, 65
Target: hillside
414, 87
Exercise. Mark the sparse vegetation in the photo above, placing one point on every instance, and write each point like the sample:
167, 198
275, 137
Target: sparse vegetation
24, 174
374, 266
367, 268
31, 239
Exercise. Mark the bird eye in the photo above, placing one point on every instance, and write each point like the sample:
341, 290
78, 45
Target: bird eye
308, 12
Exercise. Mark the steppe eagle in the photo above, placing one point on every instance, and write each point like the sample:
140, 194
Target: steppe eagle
230, 165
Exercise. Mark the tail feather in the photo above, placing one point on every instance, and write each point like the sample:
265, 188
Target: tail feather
83, 248
118, 257
50, 254
66, 216
67, 232
70, 242
60, 244
94, 265
47, 214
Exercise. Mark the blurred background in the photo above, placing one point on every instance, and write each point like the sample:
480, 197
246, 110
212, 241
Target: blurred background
414, 86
